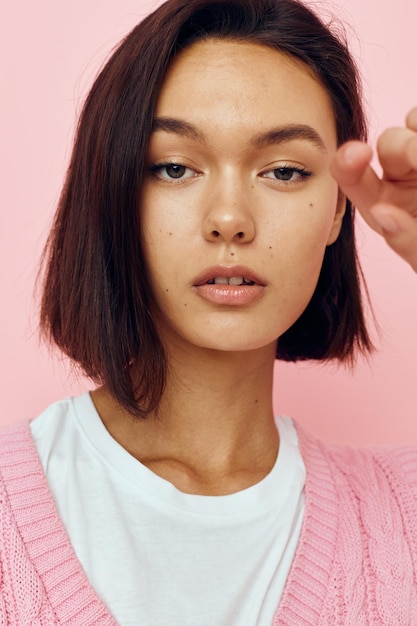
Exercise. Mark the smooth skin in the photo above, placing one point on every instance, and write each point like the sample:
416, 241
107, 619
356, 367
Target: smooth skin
268, 205
216, 195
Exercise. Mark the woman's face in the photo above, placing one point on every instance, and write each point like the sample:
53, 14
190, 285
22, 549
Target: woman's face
238, 203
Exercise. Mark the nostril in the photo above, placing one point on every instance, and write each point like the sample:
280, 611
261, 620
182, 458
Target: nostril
216, 233
240, 234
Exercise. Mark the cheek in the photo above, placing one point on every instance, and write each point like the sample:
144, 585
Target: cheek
165, 215
321, 216
296, 250
302, 232
163, 241
158, 222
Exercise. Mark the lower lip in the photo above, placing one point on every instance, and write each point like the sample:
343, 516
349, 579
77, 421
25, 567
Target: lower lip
231, 295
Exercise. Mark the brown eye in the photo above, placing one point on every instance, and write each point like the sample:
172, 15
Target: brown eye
284, 173
175, 171
287, 174
170, 172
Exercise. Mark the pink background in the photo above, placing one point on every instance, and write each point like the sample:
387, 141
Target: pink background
50, 53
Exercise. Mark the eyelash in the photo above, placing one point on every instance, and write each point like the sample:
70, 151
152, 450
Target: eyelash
155, 170
301, 172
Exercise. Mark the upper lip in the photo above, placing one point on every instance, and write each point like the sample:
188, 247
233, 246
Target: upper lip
228, 272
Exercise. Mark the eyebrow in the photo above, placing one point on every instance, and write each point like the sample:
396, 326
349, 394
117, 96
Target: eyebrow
288, 132
280, 134
180, 127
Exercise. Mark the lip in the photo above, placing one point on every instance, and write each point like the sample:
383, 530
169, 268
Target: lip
229, 295
227, 271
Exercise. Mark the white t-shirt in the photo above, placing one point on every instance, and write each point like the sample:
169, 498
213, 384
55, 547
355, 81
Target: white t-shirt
156, 555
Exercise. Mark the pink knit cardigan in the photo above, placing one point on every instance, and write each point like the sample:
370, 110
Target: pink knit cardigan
356, 562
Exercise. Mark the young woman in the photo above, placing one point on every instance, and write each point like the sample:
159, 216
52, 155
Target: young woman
205, 229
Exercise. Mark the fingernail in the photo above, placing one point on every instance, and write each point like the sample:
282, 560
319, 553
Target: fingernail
387, 222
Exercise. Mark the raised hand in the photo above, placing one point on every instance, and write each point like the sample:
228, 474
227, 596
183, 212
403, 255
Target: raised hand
388, 204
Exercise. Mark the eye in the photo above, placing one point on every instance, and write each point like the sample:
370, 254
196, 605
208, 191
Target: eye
287, 174
171, 171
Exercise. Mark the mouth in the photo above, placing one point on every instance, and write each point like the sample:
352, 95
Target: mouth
236, 276
232, 280
236, 286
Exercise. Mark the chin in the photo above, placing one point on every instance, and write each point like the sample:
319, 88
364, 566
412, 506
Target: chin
239, 344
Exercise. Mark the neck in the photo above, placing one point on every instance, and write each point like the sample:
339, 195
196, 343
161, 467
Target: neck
214, 431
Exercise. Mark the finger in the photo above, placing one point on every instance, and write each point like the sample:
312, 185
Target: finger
411, 119
358, 181
397, 153
399, 230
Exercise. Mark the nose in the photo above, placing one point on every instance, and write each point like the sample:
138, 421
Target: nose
229, 217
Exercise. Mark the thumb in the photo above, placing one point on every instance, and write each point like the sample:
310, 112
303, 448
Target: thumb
399, 229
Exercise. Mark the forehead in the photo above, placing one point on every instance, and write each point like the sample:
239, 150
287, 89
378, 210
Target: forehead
225, 84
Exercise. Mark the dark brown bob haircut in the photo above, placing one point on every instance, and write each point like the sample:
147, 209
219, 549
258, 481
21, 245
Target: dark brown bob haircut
96, 301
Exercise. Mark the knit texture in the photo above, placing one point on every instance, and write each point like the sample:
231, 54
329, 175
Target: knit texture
355, 563
41, 581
